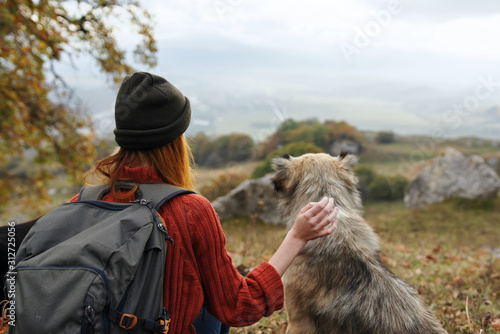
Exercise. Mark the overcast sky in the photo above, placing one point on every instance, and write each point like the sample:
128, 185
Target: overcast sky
413, 67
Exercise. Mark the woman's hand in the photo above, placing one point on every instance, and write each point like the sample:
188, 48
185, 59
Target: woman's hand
313, 220
311, 223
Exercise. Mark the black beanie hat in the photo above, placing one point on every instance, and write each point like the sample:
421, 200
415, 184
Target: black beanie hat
149, 112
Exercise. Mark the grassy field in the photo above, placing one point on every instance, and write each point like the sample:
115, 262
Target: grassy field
450, 252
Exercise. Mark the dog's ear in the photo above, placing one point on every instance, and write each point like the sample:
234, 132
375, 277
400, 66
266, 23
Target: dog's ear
343, 154
280, 163
348, 161
279, 182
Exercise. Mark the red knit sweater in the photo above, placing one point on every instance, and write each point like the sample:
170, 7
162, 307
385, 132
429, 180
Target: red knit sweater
200, 272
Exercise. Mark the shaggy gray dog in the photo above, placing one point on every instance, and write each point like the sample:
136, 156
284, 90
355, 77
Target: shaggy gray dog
338, 284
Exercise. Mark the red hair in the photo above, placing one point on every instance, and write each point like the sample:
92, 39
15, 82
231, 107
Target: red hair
173, 164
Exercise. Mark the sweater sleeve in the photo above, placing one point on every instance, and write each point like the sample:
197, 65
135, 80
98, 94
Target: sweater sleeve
232, 298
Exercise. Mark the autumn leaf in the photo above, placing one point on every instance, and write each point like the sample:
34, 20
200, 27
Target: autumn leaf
496, 325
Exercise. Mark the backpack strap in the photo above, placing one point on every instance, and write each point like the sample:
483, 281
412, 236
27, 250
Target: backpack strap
157, 193
93, 193
160, 193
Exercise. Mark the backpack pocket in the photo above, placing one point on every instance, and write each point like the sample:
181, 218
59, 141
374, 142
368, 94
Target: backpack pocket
60, 300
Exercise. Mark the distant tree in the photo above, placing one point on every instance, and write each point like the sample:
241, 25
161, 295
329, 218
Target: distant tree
235, 147
267, 146
342, 130
322, 135
287, 125
200, 146
303, 133
39, 119
240, 147
384, 137
308, 132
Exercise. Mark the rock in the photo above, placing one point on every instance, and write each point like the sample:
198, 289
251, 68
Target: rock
252, 198
452, 175
493, 162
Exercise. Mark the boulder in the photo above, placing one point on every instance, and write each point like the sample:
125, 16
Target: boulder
452, 174
252, 198
493, 162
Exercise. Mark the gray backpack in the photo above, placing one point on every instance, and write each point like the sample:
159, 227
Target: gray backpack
95, 267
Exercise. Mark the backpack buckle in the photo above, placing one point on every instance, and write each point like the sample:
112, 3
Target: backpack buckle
142, 201
4, 320
128, 321
165, 324
164, 321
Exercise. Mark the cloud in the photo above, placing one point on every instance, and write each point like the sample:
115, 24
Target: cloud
229, 55
235, 30
442, 10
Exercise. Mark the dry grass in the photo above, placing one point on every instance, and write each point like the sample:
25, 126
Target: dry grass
222, 184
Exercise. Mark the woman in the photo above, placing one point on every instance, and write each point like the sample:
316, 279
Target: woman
151, 118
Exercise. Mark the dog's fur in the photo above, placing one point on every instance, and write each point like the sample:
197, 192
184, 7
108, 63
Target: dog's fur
338, 284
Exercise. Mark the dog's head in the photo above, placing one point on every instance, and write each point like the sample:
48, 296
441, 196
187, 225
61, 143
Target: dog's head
316, 175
